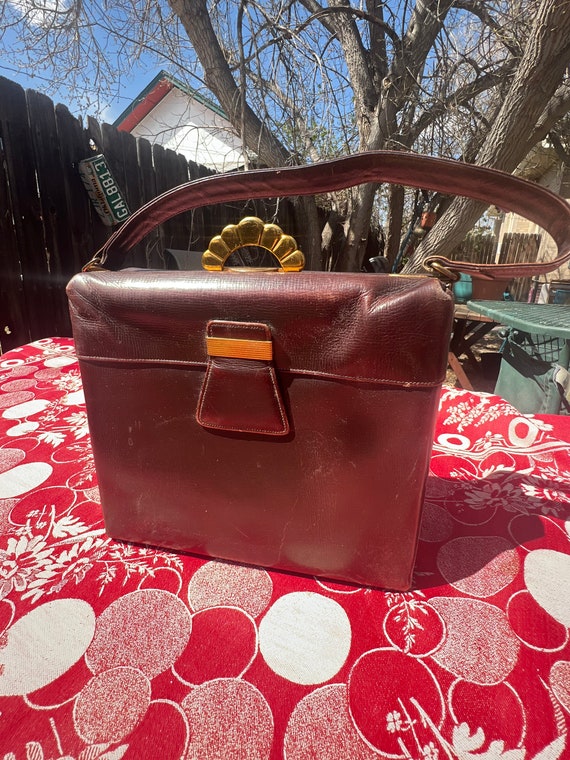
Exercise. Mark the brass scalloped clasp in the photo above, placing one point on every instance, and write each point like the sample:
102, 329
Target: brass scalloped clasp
252, 231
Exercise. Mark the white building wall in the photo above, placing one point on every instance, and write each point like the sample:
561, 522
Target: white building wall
188, 127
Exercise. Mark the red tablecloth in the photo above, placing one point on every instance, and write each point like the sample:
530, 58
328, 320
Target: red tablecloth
114, 651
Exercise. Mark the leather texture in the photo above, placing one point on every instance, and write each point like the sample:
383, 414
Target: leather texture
312, 462
510, 193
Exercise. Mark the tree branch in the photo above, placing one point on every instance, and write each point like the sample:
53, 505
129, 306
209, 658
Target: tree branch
503, 32
460, 97
537, 79
320, 14
378, 53
218, 77
562, 154
557, 108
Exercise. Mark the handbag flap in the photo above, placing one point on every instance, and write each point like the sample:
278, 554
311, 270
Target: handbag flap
240, 392
356, 327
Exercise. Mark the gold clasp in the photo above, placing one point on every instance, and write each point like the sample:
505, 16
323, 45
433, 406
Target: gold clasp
252, 231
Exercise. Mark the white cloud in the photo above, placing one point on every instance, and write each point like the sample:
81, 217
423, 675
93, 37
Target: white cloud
42, 13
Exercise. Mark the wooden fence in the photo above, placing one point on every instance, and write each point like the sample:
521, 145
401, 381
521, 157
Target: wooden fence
481, 248
48, 227
514, 247
519, 248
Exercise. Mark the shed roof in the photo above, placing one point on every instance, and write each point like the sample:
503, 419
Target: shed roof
151, 96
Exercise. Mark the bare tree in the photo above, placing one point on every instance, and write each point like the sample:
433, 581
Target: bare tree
442, 68
537, 87
477, 80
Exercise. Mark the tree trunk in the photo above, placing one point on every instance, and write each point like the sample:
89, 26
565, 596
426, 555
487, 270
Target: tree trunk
398, 87
395, 218
310, 243
358, 229
329, 237
535, 82
218, 77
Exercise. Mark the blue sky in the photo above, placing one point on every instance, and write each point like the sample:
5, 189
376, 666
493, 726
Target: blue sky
126, 73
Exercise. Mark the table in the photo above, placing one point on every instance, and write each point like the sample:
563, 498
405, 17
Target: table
109, 650
548, 327
536, 318
469, 327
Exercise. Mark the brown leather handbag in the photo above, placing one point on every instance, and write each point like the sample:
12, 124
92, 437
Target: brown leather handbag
282, 418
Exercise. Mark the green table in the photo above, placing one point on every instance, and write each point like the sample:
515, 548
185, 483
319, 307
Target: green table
535, 318
536, 356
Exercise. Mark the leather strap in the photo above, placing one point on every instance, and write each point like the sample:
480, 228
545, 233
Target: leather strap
511, 193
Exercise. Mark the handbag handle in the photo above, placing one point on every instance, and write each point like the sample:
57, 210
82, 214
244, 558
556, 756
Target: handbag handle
536, 203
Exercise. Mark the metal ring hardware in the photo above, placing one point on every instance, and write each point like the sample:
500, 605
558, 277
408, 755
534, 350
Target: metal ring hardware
442, 272
94, 265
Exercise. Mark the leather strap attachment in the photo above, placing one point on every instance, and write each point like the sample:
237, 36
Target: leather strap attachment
240, 393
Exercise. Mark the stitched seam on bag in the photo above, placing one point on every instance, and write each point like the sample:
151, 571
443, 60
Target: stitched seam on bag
133, 360
231, 429
289, 370
202, 395
277, 395
358, 378
254, 326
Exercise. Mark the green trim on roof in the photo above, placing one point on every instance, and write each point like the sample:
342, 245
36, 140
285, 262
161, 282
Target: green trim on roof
179, 85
